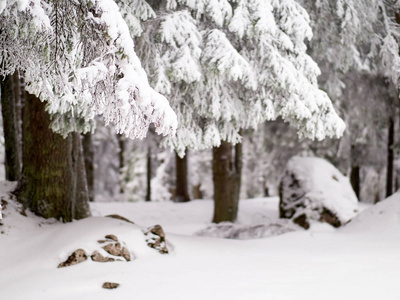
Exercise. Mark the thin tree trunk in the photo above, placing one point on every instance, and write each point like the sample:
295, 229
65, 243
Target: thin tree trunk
182, 193
355, 180
121, 143
10, 128
227, 167
82, 197
53, 182
88, 152
148, 191
19, 92
390, 159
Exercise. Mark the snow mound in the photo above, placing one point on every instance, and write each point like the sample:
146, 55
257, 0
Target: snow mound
313, 189
229, 230
383, 217
53, 241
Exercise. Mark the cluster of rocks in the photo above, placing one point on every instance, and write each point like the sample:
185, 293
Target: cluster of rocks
115, 248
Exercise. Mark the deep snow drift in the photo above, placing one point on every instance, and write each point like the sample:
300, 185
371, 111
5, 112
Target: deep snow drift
359, 261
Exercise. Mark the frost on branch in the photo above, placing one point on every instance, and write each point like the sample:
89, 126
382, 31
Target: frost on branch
83, 65
249, 64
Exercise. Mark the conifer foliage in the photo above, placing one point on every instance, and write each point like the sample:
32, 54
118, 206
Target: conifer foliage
227, 65
79, 57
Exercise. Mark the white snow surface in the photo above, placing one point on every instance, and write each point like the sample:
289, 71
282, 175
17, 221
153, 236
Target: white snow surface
355, 262
325, 185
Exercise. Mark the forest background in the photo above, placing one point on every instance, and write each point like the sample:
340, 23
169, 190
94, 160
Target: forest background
238, 81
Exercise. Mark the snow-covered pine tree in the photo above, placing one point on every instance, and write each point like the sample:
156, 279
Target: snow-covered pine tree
77, 56
232, 65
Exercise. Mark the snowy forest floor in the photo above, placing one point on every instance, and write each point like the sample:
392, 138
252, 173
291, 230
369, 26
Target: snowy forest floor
358, 261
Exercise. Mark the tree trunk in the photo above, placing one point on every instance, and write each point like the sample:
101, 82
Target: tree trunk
88, 152
82, 208
227, 167
53, 182
355, 180
181, 191
10, 128
121, 143
390, 159
148, 191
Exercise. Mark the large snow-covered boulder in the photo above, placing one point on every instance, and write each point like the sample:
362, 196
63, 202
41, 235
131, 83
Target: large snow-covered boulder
313, 189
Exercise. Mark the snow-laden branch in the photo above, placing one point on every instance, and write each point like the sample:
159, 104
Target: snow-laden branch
84, 65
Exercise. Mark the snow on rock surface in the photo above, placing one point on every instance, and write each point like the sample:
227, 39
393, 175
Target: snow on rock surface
313, 189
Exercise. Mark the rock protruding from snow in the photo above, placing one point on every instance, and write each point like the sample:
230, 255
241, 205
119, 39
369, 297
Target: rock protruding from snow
313, 189
156, 239
113, 247
98, 257
117, 249
110, 285
118, 217
111, 237
75, 258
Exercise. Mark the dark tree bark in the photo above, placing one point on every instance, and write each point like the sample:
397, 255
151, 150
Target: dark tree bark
197, 192
121, 144
88, 152
355, 162
181, 191
148, 175
19, 93
390, 159
227, 168
53, 182
9, 94
82, 208
355, 180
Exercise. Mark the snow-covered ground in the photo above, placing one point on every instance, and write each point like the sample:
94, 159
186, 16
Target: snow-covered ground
359, 261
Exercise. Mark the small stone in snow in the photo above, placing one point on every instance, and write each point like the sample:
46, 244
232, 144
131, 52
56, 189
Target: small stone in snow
111, 237
110, 285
